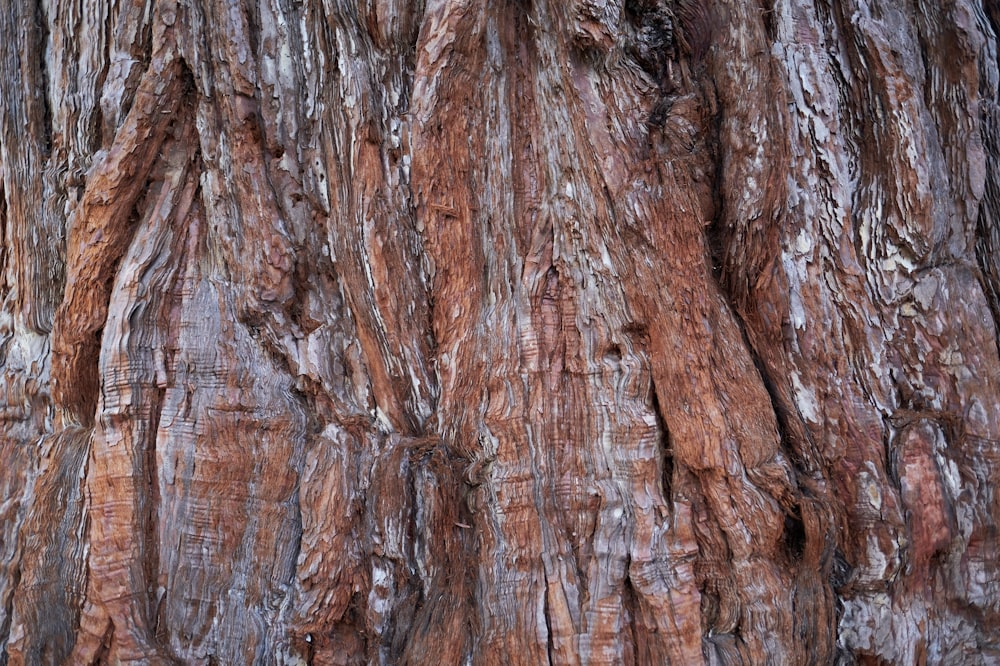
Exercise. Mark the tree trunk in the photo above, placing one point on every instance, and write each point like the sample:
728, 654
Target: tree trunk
529, 331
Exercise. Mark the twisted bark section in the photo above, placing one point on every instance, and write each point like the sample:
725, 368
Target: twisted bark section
598, 332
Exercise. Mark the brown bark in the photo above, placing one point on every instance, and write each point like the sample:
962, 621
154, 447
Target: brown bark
589, 332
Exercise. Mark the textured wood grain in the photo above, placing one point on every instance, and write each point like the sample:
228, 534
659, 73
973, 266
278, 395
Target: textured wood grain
585, 332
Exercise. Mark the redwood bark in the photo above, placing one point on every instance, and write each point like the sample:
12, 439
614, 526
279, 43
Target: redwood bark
586, 332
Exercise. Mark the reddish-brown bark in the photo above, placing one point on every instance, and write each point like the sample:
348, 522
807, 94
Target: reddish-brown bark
587, 332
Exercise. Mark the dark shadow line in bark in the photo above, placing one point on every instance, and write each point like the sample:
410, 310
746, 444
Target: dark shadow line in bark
104, 651
988, 222
42, 37
150, 545
6, 335
251, 12
631, 609
796, 533
989, 281
548, 620
841, 573
715, 232
95, 128
782, 414
666, 448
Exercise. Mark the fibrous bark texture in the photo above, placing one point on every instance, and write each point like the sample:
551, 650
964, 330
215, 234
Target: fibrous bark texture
515, 332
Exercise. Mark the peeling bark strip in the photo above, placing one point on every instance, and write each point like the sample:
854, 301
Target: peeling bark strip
587, 332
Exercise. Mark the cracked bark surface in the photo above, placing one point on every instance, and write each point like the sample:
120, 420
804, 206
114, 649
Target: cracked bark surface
588, 332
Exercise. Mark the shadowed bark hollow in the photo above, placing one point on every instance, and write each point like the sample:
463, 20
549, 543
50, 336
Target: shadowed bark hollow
516, 332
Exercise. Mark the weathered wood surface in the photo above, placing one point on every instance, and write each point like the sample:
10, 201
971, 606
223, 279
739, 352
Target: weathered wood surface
596, 332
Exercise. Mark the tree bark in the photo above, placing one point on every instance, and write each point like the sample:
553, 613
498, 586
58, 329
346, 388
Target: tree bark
585, 332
